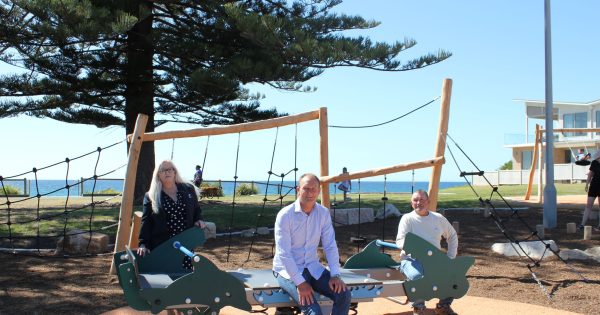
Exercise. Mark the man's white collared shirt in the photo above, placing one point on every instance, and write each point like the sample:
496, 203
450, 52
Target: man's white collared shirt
297, 237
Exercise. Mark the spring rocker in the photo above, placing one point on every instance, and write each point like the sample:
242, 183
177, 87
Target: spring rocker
158, 281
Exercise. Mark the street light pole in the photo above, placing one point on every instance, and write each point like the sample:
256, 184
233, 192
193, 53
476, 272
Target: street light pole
549, 189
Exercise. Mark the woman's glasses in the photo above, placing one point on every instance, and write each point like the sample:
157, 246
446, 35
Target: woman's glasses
167, 170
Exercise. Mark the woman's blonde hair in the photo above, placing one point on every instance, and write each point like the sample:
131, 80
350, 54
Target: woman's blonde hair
155, 190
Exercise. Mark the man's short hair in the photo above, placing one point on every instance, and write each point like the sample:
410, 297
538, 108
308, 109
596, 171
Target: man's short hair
421, 191
309, 175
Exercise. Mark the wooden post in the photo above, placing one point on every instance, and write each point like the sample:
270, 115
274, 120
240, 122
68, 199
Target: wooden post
324, 151
440, 148
536, 149
125, 214
134, 237
541, 174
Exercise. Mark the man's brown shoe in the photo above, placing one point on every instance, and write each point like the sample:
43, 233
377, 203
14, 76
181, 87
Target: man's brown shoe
418, 311
444, 310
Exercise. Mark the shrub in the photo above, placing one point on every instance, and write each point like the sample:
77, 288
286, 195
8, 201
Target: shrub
107, 191
246, 190
10, 190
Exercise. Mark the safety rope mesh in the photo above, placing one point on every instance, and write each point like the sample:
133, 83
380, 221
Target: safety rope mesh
504, 222
35, 230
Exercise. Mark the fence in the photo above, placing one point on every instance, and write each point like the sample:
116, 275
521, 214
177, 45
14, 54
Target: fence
562, 173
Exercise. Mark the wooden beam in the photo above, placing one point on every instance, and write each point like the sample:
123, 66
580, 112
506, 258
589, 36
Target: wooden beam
382, 171
221, 130
440, 146
125, 214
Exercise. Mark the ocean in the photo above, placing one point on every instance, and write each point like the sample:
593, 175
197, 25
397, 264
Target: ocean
58, 188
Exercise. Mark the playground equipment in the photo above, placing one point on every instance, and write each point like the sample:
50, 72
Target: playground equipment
158, 281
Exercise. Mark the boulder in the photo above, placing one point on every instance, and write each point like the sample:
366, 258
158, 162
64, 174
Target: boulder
578, 254
247, 233
389, 211
535, 249
263, 230
210, 231
76, 243
350, 216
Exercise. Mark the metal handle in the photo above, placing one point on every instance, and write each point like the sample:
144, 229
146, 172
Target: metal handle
386, 244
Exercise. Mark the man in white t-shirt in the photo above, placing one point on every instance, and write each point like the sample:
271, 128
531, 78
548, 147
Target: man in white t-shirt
430, 226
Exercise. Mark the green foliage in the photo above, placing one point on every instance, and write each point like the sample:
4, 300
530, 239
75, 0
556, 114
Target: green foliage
9, 190
104, 62
246, 189
85, 55
107, 191
507, 166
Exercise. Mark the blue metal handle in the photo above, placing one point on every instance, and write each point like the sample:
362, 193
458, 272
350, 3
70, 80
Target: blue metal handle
184, 250
386, 244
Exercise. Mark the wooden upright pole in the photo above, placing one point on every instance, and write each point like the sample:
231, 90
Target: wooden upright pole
124, 229
440, 147
536, 149
324, 149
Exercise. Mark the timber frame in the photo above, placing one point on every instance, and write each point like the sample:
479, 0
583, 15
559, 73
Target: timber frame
125, 231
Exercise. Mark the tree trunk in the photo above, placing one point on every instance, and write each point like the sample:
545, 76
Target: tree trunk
140, 90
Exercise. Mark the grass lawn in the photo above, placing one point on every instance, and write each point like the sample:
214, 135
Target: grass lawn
248, 212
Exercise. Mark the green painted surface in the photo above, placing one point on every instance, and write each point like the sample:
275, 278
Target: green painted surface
206, 285
370, 257
443, 277
130, 285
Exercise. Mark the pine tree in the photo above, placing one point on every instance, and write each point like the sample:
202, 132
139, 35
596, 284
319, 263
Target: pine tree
102, 62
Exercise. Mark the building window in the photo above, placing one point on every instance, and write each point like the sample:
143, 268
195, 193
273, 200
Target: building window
598, 121
575, 120
526, 159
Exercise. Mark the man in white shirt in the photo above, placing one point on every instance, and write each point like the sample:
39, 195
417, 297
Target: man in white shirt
430, 226
298, 229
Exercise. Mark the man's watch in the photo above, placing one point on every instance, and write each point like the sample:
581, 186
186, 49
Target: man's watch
337, 276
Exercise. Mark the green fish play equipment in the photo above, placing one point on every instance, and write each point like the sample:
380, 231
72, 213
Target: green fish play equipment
158, 280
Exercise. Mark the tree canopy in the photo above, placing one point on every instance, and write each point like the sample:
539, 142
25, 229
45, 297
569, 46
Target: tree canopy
102, 62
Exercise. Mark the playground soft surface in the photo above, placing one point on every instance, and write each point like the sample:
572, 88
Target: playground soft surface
31, 285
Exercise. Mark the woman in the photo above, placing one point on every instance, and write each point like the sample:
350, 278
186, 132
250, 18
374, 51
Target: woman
170, 207
592, 187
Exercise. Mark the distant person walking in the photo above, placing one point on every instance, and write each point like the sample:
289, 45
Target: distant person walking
592, 187
198, 176
345, 185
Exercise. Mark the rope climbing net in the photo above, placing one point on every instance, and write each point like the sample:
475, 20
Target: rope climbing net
34, 223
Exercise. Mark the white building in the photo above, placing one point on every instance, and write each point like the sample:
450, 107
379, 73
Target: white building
566, 145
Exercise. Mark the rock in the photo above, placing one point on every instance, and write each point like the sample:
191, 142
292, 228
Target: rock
76, 243
574, 254
390, 210
263, 230
350, 216
534, 249
247, 233
210, 231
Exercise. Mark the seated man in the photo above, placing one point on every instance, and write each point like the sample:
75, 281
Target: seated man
298, 229
430, 226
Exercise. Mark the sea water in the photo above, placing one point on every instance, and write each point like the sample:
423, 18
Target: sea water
62, 188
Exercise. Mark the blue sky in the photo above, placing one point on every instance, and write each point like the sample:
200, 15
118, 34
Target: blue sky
498, 56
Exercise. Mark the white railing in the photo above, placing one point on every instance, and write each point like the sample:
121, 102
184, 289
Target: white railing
562, 172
